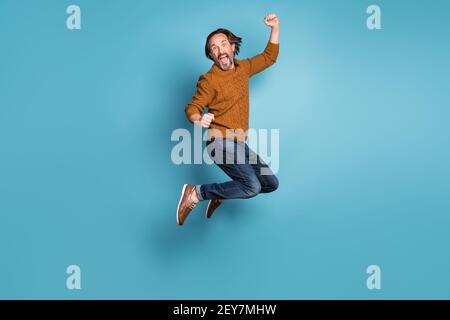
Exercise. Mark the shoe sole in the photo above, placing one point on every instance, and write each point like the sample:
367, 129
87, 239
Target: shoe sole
207, 208
179, 202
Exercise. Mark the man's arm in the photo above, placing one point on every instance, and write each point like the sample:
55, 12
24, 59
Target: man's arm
202, 98
272, 21
264, 60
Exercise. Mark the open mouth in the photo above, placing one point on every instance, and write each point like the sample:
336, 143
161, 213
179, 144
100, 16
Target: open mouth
224, 59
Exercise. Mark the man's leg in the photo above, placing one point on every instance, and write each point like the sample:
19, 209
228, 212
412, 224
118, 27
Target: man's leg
234, 162
269, 182
245, 184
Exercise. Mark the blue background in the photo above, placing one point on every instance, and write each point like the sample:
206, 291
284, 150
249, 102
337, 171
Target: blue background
86, 176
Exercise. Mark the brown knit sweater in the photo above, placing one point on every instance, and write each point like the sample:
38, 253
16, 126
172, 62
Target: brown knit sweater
226, 94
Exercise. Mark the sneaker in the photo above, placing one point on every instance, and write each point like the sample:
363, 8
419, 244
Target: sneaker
212, 205
185, 205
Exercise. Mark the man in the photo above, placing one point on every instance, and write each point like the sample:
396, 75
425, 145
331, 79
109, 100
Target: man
224, 89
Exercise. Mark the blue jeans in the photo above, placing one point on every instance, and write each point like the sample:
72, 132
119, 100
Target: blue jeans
250, 175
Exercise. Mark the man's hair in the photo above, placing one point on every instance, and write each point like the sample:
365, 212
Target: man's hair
232, 38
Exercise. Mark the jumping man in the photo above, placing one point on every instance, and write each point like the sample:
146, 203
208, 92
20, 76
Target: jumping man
224, 89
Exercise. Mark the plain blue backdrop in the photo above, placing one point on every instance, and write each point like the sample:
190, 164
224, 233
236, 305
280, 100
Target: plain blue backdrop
86, 176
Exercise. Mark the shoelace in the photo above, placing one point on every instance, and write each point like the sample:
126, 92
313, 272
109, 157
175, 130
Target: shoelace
193, 204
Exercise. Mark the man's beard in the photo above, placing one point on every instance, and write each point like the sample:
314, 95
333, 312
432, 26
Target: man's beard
225, 62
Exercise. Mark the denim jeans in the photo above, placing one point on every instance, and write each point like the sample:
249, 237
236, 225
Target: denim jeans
249, 173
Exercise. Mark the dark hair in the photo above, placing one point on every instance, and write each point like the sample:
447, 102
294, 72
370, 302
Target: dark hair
232, 38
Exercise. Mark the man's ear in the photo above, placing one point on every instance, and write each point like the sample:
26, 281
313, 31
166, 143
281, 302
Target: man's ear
233, 47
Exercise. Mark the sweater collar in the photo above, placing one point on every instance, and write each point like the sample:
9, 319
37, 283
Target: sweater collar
216, 69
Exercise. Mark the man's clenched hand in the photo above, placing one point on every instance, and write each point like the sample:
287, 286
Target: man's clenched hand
206, 120
272, 21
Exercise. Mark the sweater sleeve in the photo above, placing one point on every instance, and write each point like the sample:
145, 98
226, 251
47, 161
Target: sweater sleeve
202, 98
264, 60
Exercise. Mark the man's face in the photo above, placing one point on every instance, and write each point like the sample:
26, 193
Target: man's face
222, 51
